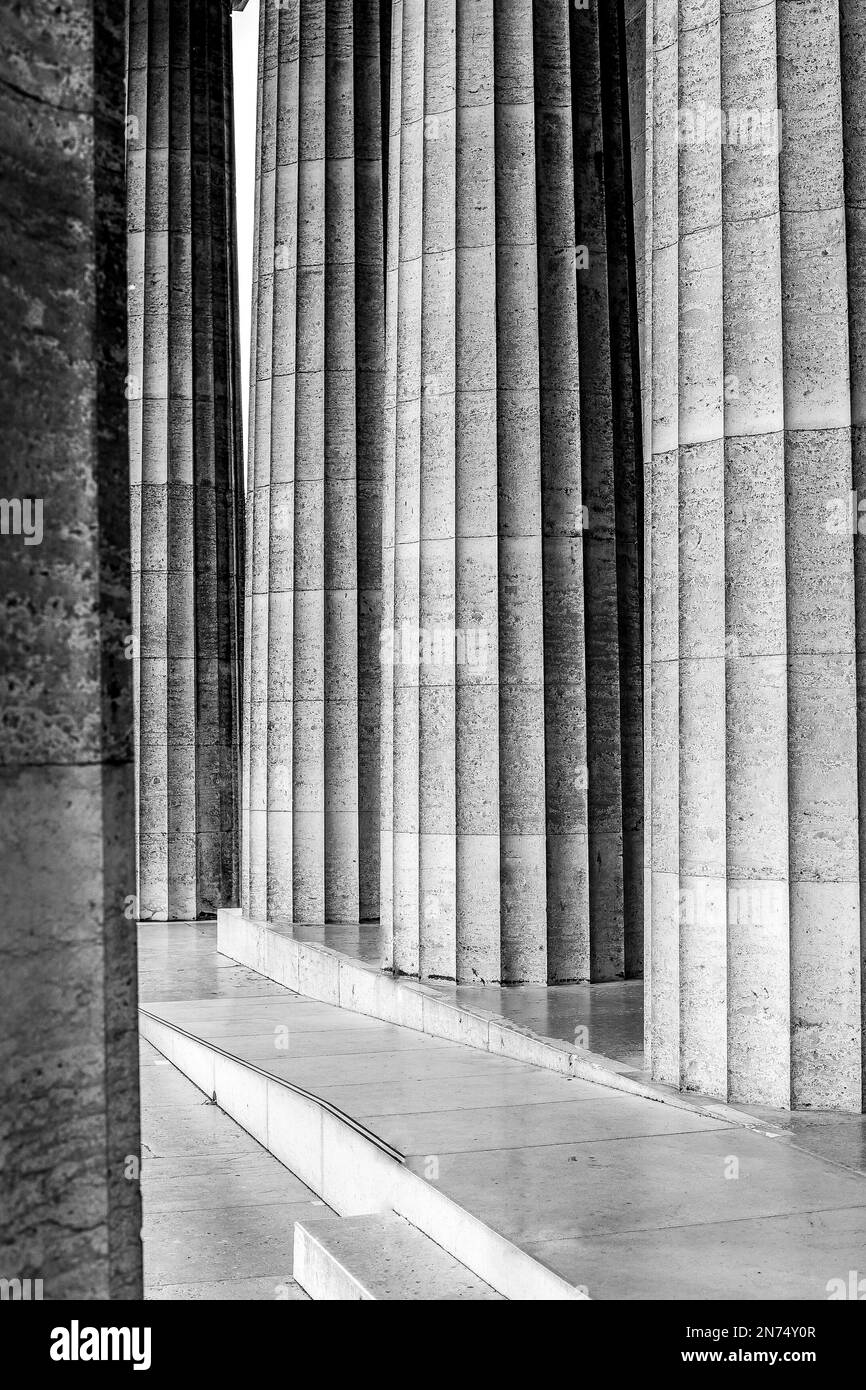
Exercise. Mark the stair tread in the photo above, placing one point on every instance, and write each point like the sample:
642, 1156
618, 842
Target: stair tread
389, 1258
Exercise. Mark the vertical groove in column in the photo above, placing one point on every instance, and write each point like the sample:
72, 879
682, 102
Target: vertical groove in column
251, 866
233, 550
523, 886
702, 948
568, 919
267, 872
206, 199
389, 486
406, 496
341, 484
280, 514
601, 598
308, 764
644, 304
311, 529
136, 179
822, 732
853, 56
219, 839
636, 20
190, 506
152, 770
312, 532
758, 968
624, 310
437, 550
477, 823
181, 769
372, 31
662, 991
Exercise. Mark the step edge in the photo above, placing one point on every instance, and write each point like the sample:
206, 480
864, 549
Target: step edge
303, 1237
312, 1228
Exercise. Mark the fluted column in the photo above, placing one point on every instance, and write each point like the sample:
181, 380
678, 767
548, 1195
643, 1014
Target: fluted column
511, 646
311, 762
754, 990
70, 1206
186, 455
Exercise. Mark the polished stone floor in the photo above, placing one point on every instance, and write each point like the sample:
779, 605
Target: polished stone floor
626, 1196
605, 1018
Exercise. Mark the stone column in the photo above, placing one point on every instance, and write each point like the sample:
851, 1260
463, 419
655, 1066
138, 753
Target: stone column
511, 733
314, 480
70, 1211
186, 455
754, 991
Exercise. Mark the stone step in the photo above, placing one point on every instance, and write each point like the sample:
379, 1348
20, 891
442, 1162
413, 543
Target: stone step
379, 1258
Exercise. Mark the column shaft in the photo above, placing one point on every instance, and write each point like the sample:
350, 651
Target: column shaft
566, 781
437, 792
598, 461
625, 300
389, 471
822, 720
663, 969
755, 568
755, 990
372, 32
70, 1208
478, 907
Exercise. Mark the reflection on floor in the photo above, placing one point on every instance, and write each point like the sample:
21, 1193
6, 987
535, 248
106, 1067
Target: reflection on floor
605, 1018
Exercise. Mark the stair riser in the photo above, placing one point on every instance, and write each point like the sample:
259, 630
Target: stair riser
321, 1275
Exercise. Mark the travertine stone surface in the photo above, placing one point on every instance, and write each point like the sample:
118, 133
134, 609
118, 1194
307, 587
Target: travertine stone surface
512, 798
70, 1211
638, 76
186, 453
853, 54
311, 687
754, 986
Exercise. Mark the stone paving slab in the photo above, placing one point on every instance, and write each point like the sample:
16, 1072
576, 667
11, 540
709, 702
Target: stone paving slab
219, 1211
771, 1257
